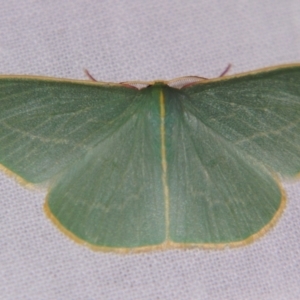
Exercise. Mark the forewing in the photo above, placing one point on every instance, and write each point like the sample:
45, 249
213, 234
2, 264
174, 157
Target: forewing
46, 125
257, 113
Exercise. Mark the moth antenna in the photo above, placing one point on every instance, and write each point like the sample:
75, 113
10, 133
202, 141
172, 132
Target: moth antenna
88, 74
226, 70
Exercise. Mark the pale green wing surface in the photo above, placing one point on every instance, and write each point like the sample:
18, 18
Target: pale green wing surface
227, 139
113, 196
258, 113
45, 124
99, 146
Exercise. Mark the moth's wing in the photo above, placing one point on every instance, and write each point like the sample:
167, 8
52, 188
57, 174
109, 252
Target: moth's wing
45, 124
234, 135
258, 113
99, 146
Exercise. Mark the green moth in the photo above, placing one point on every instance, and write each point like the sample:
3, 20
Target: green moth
154, 168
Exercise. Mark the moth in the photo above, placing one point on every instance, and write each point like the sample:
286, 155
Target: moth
133, 169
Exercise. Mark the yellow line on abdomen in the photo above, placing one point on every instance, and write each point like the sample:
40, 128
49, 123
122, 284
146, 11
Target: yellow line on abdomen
164, 162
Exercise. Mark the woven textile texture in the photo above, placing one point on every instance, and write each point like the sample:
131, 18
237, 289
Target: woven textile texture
143, 40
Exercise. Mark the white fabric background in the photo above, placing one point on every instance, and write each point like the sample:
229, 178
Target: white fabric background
143, 40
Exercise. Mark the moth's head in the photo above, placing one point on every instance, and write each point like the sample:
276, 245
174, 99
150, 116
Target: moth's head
175, 83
